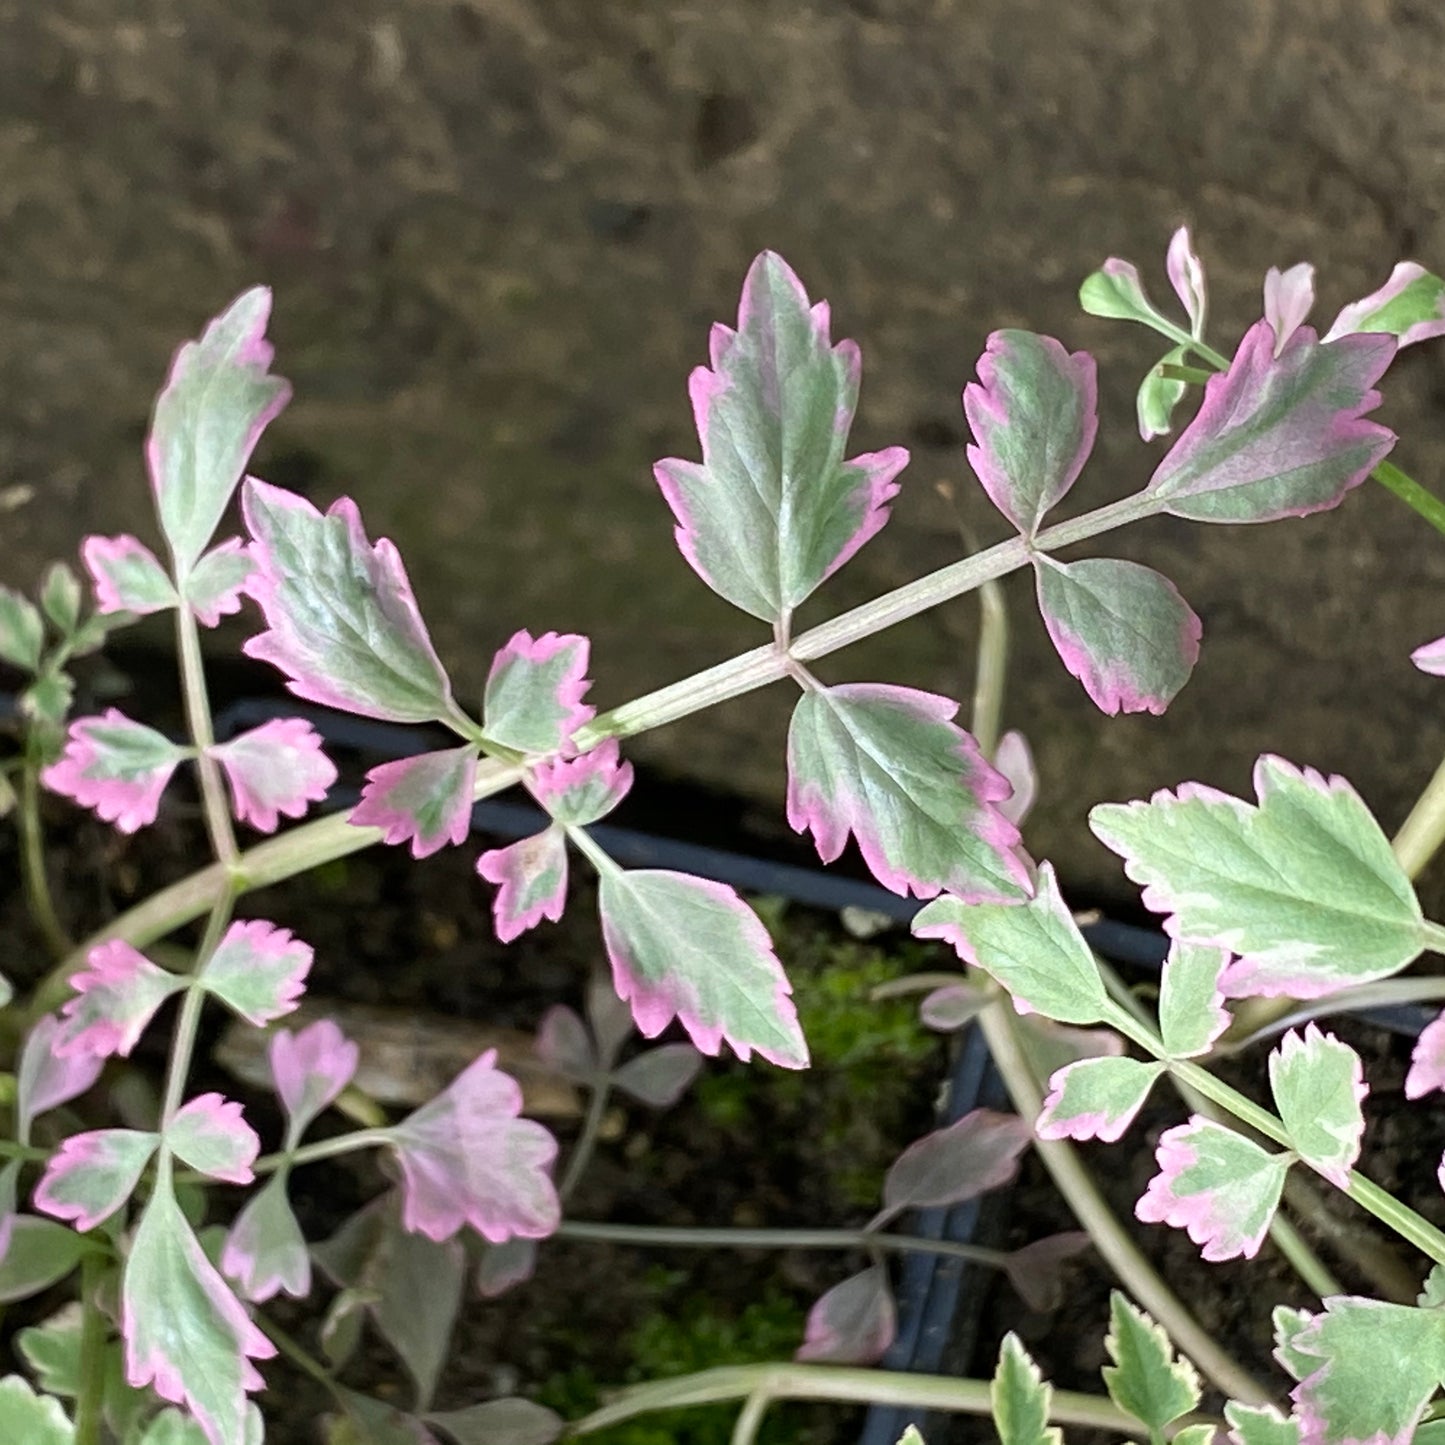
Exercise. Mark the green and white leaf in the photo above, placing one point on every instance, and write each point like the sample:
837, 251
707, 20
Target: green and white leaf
1019, 1397
30, 1419
1191, 1007
1318, 1085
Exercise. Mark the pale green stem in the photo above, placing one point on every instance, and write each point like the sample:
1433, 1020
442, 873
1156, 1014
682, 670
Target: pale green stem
1388, 993
1423, 831
90, 1396
992, 668
1120, 1252
1384, 1206
38, 897
845, 1385
750, 1417
1409, 491
726, 1237
198, 719
311, 1153
582, 1150
591, 852
183, 1041
1287, 1239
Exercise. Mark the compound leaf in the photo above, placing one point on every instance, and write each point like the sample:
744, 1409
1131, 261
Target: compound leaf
1147, 1379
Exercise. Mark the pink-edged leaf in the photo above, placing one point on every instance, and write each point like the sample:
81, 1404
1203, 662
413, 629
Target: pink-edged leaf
45, 1078
1288, 298
211, 1135
186, 1334
1427, 1061
1186, 276
91, 1175
216, 402
1122, 629
116, 995
310, 1068
343, 623
1191, 1003
1303, 887
1409, 306
1096, 1099
275, 770
887, 765
1370, 1370
773, 510
686, 948
1431, 657
949, 1008
117, 767
217, 581
1217, 1185
466, 1158
564, 1045
1034, 949
533, 698
579, 791
968, 1158
504, 1266
265, 1250
426, 800
1279, 436
1034, 414
532, 881
127, 576
1036, 1270
1318, 1085
853, 1323
659, 1077
1015, 760
258, 970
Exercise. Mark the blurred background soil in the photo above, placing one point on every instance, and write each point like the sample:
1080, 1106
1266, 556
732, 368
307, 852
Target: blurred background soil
499, 229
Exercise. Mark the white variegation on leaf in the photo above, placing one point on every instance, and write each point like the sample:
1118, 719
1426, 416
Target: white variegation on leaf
533, 699
211, 1135
1260, 1425
30, 1419
531, 879
424, 800
1115, 291
1186, 276
1410, 306
92, 1175
1191, 1004
1303, 887
1217, 1185
1367, 1370
343, 624
580, 791
1019, 1398
117, 767
1279, 435
258, 970
1096, 1099
888, 765
216, 402
774, 509
690, 949
127, 576
1122, 629
265, 1250
1034, 949
116, 995
1146, 1378
22, 631
186, 1334
1318, 1085
215, 584
1034, 414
